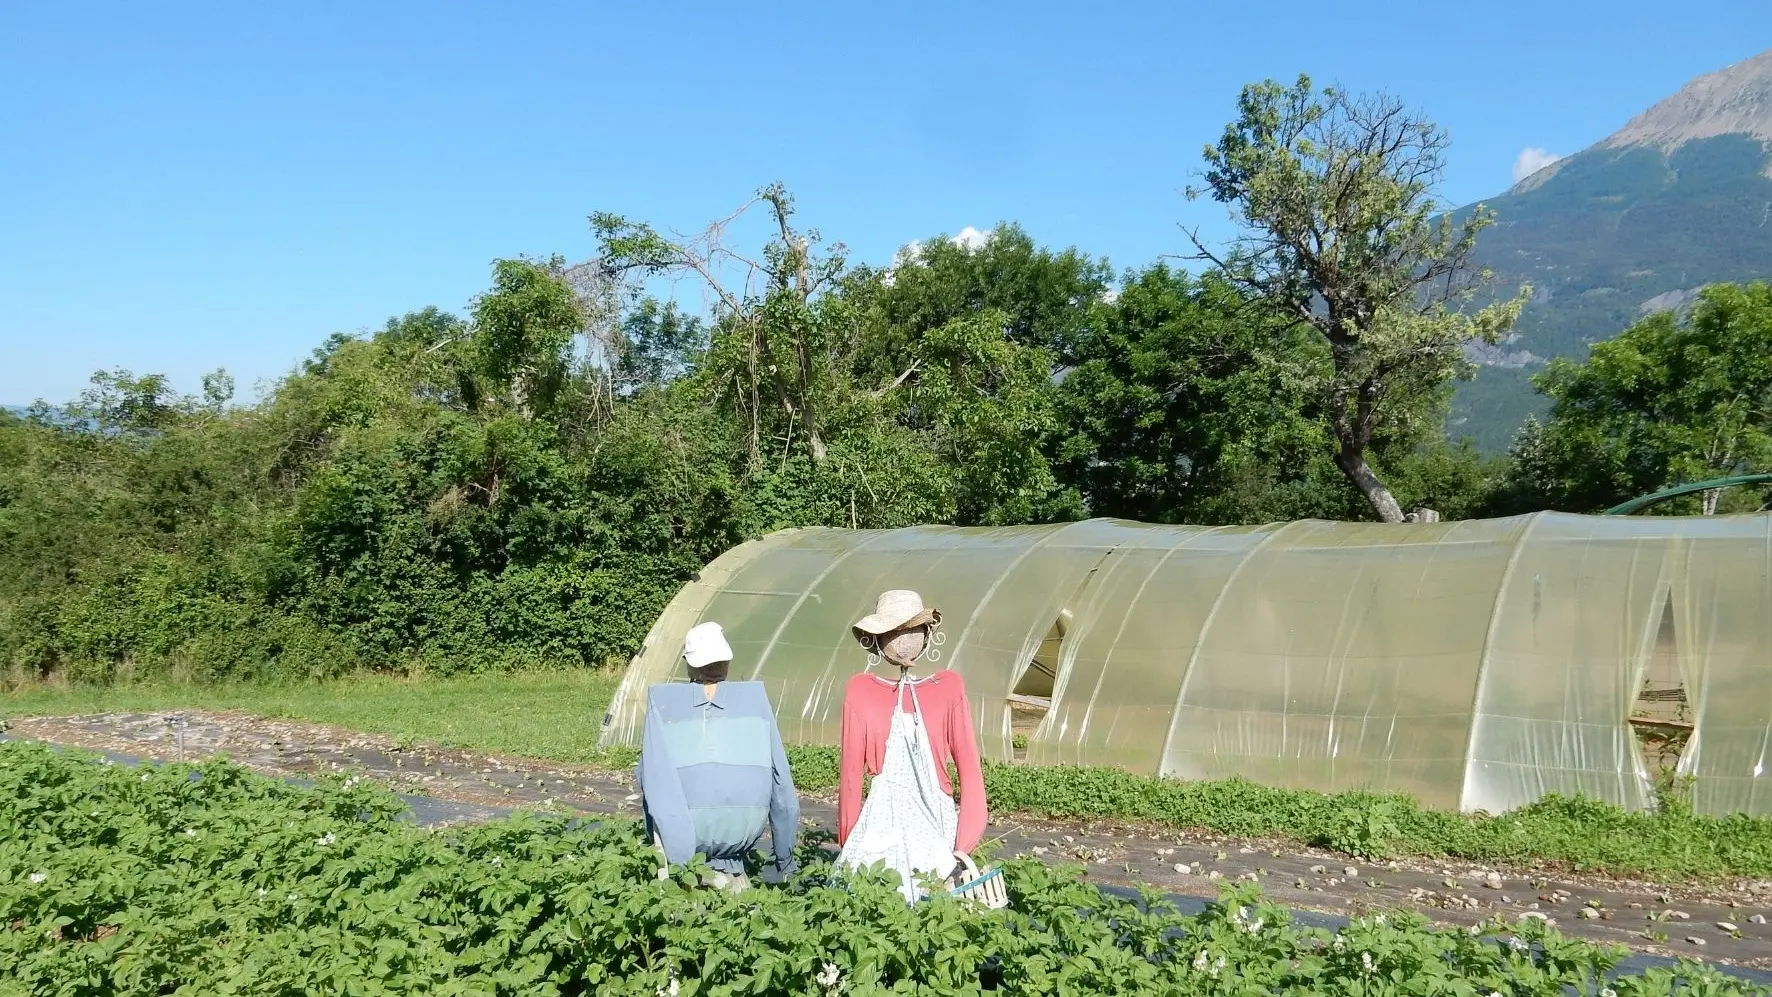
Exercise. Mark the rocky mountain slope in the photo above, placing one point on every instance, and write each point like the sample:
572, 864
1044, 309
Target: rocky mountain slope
1680, 197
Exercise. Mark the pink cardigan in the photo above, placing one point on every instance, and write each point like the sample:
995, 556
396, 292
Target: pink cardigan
867, 713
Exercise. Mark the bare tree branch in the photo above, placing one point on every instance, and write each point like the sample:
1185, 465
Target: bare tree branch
900, 379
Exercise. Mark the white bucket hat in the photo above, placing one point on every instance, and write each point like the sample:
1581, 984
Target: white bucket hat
899, 609
706, 644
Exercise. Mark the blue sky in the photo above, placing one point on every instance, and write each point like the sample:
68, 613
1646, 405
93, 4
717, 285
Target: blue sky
185, 186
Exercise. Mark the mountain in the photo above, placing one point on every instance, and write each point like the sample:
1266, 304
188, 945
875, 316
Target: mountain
1680, 197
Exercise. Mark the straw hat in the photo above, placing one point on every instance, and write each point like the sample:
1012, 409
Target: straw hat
706, 644
899, 609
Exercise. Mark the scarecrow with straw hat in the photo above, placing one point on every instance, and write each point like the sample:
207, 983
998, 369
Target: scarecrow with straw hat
903, 729
713, 775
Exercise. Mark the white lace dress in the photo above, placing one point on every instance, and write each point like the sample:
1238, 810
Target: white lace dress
907, 821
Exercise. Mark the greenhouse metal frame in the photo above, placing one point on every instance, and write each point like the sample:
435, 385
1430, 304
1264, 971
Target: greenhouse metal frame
1476, 665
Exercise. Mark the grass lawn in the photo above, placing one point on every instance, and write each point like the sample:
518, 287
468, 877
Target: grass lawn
553, 715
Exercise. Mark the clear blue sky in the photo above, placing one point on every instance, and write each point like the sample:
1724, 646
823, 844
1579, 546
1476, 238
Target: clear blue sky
185, 186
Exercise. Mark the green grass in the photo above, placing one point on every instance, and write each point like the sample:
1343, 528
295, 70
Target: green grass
553, 715
558, 716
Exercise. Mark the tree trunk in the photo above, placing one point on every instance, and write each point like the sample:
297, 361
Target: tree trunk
813, 437
1353, 464
1711, 495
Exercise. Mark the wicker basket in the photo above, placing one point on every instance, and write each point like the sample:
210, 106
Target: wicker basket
985, 888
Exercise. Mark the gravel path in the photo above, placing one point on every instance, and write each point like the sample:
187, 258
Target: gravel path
1720, 923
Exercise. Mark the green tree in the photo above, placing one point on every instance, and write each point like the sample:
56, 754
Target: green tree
988, 405
523, 333
1671, 400
872, 398
1186, 407
779, 363
659, 343
432, 496
962, 343
123, 520
444, 510
1341, 235
776, 327
1047, 299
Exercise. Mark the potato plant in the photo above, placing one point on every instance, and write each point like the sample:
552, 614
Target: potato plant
207, 879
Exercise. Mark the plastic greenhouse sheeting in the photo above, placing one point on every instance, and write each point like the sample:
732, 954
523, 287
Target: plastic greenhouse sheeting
1477, 665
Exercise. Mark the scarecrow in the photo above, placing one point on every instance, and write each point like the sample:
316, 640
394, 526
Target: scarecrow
903, 729
712, 773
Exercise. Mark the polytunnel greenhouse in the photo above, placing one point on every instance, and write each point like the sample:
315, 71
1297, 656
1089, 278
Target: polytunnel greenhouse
1477, 665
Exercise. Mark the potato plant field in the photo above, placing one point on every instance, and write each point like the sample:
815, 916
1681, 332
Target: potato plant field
208, 879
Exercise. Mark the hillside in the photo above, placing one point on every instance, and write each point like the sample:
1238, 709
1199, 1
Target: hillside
1680, 197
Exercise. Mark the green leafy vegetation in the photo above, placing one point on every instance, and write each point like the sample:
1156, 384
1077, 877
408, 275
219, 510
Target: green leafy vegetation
1610, 231
1582, 835
1343, 238
124, 881
556, 716
1672, 399
523, 487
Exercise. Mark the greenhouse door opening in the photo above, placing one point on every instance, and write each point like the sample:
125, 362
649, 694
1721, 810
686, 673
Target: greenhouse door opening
1032, 697
1661, 717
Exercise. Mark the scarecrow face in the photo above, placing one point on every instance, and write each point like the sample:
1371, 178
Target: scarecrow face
904, 647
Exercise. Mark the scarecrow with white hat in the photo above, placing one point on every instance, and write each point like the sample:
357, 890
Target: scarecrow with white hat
903, 730
713, 775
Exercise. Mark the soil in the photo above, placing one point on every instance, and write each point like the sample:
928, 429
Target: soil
1719, 922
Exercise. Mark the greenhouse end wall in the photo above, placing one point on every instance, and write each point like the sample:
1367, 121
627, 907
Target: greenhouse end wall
1476, 665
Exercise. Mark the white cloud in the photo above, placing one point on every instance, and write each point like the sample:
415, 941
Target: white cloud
906, 253
972, 238
969, 238
1531, 160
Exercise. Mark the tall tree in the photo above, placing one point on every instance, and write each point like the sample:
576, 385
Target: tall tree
1047, 298
1341, 234
960, 340
523, 333
1671, 400
658, 343
986, 404
1183, 407
774, 323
